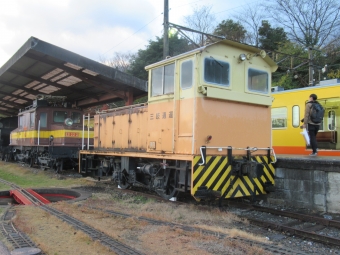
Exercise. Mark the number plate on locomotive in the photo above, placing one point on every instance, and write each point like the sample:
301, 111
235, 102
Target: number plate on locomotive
71, 134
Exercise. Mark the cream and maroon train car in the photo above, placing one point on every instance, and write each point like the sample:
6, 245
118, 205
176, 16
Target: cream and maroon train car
206, 128
49, 134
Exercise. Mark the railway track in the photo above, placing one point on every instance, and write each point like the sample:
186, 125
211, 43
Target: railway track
20, 240
301, 225
267, 247
15, 237
290, 230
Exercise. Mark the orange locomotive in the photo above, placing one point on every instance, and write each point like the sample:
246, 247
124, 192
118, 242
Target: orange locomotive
206, 128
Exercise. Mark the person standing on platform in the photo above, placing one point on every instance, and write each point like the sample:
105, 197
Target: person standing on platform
312, 127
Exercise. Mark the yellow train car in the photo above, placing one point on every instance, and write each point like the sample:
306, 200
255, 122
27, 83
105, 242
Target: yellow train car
206, 128
288, 110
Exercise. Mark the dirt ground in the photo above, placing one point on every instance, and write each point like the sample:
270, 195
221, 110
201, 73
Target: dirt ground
55, 237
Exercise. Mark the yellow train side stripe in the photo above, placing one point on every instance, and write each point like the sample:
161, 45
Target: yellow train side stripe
47, 134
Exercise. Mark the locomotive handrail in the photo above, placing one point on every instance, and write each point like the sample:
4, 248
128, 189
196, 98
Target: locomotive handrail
121, 108
88, 117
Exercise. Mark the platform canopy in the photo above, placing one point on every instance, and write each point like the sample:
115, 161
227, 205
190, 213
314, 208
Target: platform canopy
40, 68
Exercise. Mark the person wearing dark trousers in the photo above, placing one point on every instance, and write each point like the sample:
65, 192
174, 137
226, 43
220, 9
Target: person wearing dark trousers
312, 127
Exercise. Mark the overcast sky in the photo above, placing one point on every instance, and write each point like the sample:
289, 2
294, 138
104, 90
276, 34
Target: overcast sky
96, 28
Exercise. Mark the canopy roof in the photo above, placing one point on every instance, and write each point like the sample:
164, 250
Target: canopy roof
40, 68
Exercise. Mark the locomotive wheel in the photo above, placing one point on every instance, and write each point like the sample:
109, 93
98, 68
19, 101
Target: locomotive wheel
170, 191
31, 162
123, 184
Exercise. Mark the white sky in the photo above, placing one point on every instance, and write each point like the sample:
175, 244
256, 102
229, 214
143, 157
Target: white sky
96, 28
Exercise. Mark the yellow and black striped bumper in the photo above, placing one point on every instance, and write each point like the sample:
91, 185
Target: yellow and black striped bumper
216, 176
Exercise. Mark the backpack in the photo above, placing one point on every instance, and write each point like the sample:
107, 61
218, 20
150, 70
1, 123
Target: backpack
317, 112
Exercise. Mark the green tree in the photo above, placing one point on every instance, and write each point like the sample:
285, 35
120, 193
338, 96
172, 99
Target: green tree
231, 30
293, 63
154, 53
334, 74
271, 38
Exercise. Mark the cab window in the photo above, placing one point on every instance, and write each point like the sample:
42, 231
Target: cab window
59, 116
21, 121
43, 119
32, 116
187, 74
75, 116
162, 80
216, 72
258, 81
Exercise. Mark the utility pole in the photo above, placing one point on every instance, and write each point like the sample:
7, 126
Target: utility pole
166, 30
310, 57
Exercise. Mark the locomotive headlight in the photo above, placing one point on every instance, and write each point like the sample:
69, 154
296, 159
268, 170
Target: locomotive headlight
242, 57
68, 122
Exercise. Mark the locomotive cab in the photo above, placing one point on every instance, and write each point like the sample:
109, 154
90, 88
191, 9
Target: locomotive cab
201, 97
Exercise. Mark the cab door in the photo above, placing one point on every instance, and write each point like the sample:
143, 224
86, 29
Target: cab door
161, 109
185, 106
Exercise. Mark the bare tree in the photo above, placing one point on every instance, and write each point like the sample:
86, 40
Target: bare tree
311, 23
251, 18
201, 20
120, 61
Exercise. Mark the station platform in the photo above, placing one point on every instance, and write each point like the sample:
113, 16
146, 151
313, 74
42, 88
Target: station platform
308, 182
322, 163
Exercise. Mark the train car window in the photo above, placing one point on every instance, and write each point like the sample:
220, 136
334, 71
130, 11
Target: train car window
43, 119
296, 116
187, 74
32, 117
21, 121
331, 120
279, 117
162, 80
258, 81
76, 116
1, 125
216, 72
169, 79
59, 116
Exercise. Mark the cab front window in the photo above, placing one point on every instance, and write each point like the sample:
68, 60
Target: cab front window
258, 81
216, 72
59, 116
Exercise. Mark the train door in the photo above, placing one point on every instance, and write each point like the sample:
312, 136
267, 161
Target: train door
328, 133
185, 106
